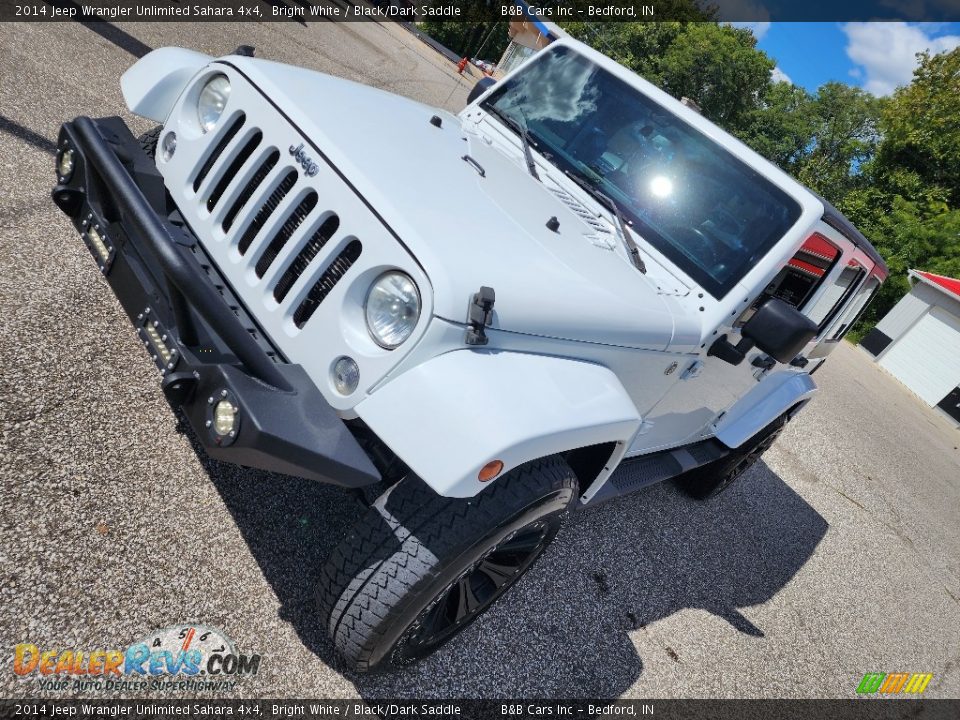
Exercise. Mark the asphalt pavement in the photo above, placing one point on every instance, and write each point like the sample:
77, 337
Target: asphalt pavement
836, 556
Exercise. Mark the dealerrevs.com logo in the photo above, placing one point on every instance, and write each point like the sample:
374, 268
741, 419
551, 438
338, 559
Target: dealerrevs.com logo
894, 683
183, 657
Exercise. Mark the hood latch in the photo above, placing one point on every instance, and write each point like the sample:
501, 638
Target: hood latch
480, 315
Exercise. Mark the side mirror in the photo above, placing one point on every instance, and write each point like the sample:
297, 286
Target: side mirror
483, 84
777, 328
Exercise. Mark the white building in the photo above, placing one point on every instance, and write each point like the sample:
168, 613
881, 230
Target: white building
918, 341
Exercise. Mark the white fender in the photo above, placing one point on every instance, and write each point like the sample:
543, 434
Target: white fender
152, 85
766, 401
451, 415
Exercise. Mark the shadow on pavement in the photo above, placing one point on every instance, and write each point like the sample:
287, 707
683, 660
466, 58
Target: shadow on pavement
565, 629
109, 32
40, 142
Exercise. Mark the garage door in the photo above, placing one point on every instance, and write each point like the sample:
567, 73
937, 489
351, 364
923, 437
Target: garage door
927, 358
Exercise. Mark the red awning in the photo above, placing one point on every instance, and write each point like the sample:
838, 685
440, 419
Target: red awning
951, 285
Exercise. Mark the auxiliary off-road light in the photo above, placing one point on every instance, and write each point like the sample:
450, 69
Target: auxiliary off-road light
225, 417
346, 375
156, 340
211, 101
99, 243
65, 164
168, 146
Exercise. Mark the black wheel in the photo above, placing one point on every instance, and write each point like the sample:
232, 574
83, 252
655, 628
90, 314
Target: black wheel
419, 568
712, 479
148, 141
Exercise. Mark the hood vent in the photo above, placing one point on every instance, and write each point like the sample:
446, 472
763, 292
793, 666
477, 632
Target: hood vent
601, 235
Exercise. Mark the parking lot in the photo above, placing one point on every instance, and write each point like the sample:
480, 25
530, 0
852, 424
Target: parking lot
838, 555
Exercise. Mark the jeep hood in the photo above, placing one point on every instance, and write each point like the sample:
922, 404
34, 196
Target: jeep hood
473, 223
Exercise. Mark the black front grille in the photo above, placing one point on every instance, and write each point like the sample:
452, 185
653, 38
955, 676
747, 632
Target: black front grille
250, 188
245, 152
276, 197
305, 257
218, 149
296, 218
331, 276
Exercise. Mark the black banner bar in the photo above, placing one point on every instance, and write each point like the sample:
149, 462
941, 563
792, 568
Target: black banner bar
472, 11
862, 709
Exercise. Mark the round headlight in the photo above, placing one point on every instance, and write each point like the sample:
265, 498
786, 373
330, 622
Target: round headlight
213, 99
392, 309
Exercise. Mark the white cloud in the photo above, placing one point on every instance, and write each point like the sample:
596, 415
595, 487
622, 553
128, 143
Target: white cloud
885, 51
778, 75
759, 28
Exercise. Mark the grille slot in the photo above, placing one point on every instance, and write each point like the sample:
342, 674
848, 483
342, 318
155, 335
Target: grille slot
322, 287
221, 145
294, 220
276, 197
250, 189
305, 257
245, 152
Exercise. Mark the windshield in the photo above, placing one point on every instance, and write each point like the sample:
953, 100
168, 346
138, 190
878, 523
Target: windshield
683, 193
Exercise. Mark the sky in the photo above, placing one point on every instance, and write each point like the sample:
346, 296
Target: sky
876, 56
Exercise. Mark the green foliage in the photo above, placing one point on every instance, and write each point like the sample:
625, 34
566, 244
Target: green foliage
921, 125
480, 40
781, 127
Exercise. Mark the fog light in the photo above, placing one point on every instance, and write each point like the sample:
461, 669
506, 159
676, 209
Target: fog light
65, 164
168, 146
98, 243
225, 417
346, 375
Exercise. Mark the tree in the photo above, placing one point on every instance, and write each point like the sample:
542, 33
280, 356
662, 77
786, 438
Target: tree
921, 125
719, 67
780, 128
845, 136
481, 40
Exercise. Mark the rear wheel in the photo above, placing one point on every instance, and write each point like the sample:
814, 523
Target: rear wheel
419, 568
713, 478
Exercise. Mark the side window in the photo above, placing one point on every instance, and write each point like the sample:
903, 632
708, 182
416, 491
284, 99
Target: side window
829, 304
856, 308
802, 276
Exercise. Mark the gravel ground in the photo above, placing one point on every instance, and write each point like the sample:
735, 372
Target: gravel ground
837, 556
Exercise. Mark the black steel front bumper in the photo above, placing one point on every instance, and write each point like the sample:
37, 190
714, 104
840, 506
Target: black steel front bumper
205, 345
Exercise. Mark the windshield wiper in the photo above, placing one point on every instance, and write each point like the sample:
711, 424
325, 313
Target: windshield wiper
524, 133
633, 250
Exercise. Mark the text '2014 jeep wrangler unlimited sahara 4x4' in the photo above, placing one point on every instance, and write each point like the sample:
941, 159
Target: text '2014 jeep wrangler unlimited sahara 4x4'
575, 288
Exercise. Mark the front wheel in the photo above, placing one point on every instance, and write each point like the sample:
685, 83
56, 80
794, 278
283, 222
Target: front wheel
713, 478
419, 568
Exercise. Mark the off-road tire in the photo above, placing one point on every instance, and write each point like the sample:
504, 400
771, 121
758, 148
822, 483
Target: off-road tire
148, 141
714, 478
399, 564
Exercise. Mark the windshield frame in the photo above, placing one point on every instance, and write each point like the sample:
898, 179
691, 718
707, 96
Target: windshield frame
754, 180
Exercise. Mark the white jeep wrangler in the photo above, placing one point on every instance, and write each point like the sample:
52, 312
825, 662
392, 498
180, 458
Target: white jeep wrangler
575, 288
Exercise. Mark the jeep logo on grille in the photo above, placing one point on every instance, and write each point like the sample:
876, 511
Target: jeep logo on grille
308, 165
